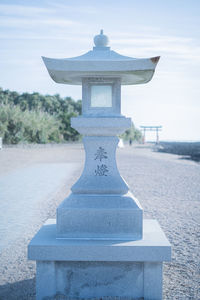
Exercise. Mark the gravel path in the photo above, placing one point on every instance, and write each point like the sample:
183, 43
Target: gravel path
17, 274
168, 189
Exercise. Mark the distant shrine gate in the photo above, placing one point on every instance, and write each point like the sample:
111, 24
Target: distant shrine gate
151, 128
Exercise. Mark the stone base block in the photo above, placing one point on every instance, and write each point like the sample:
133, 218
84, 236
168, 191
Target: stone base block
100, 217
86, 280
99, 268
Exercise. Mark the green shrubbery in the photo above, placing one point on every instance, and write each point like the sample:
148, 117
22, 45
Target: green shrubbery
28, 126
34, 118
132, 134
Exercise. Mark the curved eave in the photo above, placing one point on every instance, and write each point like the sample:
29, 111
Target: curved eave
136, 71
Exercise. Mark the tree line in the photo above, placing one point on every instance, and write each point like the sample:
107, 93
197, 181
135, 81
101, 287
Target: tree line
36, 118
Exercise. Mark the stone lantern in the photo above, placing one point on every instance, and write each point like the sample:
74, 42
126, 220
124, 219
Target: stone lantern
99, 245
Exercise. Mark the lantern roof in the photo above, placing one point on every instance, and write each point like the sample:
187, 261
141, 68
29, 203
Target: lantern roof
101, 62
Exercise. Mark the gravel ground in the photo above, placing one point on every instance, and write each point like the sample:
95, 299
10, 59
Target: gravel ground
168, 189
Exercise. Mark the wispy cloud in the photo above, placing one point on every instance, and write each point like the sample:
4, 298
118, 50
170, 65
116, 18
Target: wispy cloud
24, 10
83, 9
183, 48
13, 22
26, 17
34, 22
145, 39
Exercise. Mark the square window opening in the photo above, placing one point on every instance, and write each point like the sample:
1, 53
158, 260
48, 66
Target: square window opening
101, 96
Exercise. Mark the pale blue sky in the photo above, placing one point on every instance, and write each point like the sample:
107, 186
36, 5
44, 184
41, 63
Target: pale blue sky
31, 29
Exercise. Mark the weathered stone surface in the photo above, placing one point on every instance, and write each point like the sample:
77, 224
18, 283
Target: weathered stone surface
60, 296
90, 279
94, 268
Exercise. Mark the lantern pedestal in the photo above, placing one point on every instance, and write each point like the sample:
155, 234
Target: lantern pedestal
77, 268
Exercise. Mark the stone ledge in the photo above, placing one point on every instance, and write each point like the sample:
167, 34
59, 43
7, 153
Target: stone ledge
154, 247
101, 126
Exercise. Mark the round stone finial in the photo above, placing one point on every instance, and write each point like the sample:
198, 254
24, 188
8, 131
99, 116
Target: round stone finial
101, 40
